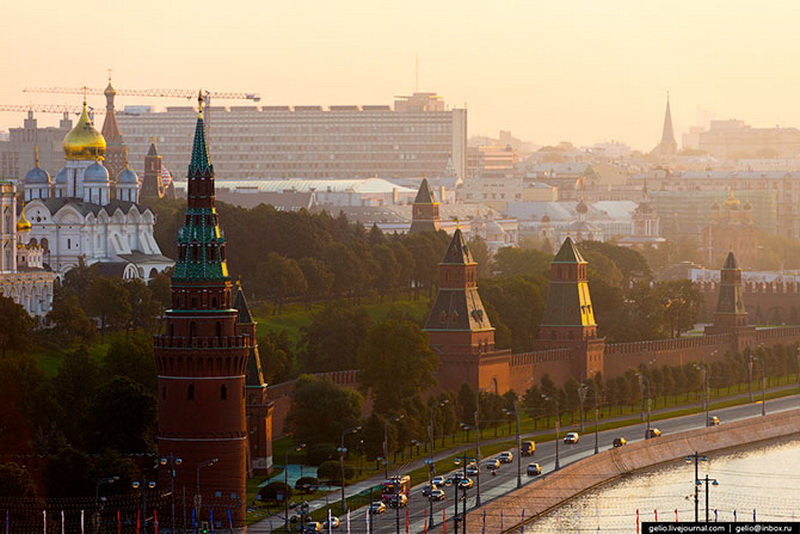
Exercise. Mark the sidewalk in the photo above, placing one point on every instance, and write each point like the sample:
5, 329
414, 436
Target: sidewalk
277, 521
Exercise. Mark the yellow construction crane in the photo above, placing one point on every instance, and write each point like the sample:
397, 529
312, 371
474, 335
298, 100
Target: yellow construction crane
166, 93
47, 108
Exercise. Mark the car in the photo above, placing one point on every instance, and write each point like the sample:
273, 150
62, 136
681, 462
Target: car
377, 507
534, 469
295, 518
713, 420
506, 457
571, 437
399, 501
492, 464
527, 448
653, 433
334, 523
455, 478
619, 442
312, 526
472, 470
428, 488
437, 495
439, 481
466, 483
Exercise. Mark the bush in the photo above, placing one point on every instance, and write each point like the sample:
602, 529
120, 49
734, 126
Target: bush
330, 470
319, 453
307, 484
271, 491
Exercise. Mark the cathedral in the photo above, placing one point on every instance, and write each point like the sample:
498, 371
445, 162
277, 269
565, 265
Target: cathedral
90, 211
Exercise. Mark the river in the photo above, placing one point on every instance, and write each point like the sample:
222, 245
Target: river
764, 478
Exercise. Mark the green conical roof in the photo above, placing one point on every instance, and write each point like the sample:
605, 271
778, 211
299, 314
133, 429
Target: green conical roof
568, 253
730, 262
458, 251
425, 195
200, 165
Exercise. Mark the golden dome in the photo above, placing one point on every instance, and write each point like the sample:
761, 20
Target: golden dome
23, 224
84, 141
732, 203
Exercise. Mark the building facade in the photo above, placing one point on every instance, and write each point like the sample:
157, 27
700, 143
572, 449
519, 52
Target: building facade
311, 142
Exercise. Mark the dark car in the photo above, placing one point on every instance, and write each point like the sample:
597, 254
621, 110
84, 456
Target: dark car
437, 495
377, 507
534, 470
713, 420
428, 488
619, 442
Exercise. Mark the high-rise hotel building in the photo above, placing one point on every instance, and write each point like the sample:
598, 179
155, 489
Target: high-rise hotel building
418, 136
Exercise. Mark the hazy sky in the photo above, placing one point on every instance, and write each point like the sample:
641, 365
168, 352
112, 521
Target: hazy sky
584, 71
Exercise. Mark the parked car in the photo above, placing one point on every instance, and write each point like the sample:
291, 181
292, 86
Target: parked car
492, 464
534, 469
620, 441
377, 507
713, 420
398, 501
466, 483
312, 526
334, 523
437, 495
653, 433
506, 457
439, 481
571, 437
527, 448
428, 488
472, 470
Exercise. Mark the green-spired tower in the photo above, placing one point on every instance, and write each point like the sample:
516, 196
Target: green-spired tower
202, 361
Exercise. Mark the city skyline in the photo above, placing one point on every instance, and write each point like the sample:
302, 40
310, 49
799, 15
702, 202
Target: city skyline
590, 73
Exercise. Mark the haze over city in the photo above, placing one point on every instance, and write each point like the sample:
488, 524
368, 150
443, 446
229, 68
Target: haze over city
548, 71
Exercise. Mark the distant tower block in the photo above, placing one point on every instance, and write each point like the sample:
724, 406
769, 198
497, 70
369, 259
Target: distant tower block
425, 212
203, 355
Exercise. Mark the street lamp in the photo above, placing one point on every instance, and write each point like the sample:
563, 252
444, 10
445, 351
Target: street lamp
713, 483
760, 359
596, 414
342, 452
519, 443
107, 480
703, 368
696, 458
286, 483
393, 419
171, 462
558, 427
430, 462
198, 498
642, 379
144, 485
462, 460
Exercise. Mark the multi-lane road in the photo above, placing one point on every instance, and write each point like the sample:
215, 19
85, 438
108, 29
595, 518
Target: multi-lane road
505, 480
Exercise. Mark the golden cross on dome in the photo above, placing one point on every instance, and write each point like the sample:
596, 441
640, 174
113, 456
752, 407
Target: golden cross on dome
109, 74
84, 94
36, 154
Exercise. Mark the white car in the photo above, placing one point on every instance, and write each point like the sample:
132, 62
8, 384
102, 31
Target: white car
571, 437
506, 457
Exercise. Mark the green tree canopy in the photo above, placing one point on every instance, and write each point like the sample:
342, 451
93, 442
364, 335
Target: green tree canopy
321, 410
15, 327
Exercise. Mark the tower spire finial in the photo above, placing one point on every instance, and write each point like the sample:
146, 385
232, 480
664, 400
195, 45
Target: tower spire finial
36, 154
200, 101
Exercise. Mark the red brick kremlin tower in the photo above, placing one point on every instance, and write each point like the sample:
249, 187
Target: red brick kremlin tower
202, 359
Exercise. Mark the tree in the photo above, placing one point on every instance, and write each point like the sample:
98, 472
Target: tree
480, 253
277, 359
27, 402
332, 340
70, 320
16, 482
280, 277
466, 403
123, 417
320, 410
318, 279
272, 491
519, 305
132, 358
68, 474
396, 361
15, 326
75, 384
107, 300
515, 261
145, 309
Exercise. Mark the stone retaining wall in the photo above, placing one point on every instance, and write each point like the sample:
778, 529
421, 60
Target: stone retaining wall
556, 488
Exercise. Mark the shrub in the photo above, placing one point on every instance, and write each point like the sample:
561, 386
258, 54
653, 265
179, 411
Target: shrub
307, 484
320, 452
271, 491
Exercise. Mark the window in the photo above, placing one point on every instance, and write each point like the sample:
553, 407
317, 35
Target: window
190, 392
163, 393
223, 392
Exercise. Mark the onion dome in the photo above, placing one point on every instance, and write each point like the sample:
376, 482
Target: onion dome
714, 206
581, 207
494, 229
95, 173
128, 176
23, 224
37, 175
110, 91
732, 203
545, 218
84, 141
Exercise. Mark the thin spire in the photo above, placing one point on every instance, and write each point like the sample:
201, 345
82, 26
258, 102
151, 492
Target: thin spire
36, 154
201, 172
668, 134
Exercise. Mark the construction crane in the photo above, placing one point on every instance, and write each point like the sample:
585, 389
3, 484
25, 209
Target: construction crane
166, 93
48, 108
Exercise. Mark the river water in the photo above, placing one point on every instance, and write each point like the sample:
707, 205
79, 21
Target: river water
764, 479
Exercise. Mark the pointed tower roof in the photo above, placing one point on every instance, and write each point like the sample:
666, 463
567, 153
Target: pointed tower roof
111, 130
425, 195
730, 262
152, 151
568, 253
199, 166
458, 251
667, 146
240, 304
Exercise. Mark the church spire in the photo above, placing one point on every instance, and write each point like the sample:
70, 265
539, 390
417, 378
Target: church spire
668, 146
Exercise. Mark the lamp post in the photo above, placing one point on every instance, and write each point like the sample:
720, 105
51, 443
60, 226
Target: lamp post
286, 483
558, 427
342, 452
583, 389
477, 457
760, 359
518, 442
144, 485
171, 462
596, 415
462, 460
98, 508
703, 368
696, 458
713, 482
750, 376
198, 498
642, 380
393, 419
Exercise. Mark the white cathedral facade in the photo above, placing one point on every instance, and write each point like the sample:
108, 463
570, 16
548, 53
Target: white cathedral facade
88, 215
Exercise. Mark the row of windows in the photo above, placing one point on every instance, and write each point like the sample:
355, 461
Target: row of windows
190, 392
